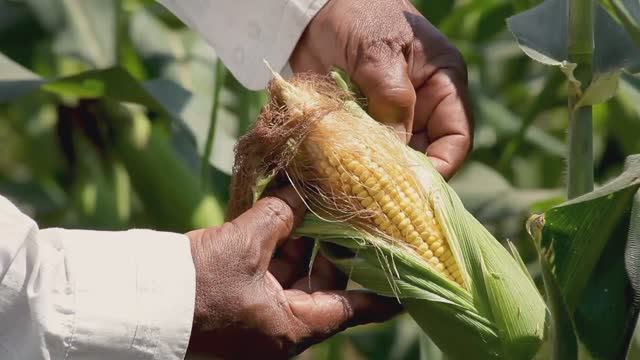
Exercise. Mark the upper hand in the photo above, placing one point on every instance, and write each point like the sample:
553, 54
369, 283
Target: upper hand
413, 78
252, 304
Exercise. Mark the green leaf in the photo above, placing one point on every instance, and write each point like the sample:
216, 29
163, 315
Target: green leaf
11, 14
187, 67
491, 198
146, 150
34, 199
627, 12
602, 88
392, 340
102, 191
114, 82
174, 54
491, 22
582, 245
15, 80
428, 349
49, 13
166, 185
462, 21
504, 124
542, 33
434, 10
89, 31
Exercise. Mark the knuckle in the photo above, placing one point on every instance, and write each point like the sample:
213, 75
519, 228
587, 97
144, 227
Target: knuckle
381, 49
277, 212
401, 97
240, 244
346, 313
457, 63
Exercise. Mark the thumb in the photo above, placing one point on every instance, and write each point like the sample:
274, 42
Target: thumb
391, 97
269, 222
324, 313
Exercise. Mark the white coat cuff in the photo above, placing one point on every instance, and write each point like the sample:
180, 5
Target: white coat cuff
273, 41
133, 293
294, 20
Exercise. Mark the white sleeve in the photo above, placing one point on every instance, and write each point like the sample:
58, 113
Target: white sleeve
89, 295
244, 32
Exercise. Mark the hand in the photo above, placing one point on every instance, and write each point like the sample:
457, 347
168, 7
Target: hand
249, 304
413, 78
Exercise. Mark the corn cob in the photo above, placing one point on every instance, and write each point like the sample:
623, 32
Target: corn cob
409, 234
391, 199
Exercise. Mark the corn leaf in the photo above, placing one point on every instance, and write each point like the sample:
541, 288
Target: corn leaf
429, 298
582, 245
147, 151
626, 12
15, 80
542, 33
83, 29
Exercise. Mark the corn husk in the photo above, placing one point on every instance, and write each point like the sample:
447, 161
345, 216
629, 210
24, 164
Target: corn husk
497, 313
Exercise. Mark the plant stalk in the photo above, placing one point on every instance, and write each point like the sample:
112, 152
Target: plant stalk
580, 135
208, 148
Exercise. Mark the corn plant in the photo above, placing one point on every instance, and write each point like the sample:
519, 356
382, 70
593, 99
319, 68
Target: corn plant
588, 245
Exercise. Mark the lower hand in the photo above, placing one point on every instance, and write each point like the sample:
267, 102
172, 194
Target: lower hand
250, 303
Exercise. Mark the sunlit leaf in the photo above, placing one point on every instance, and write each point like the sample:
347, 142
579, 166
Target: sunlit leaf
177, 54
494, 201
193, 111
505, 125
89, 31
15, 80
49, 13
396, 340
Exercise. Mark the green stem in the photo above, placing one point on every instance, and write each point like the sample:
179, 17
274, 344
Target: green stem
580, 135
208, 148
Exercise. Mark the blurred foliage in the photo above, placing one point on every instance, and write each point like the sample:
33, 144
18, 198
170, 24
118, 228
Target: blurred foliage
121, 148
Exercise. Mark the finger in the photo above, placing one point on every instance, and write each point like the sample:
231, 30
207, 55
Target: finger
443, 121
270, 221
291, 260
390, 94
304, 59
324, 276
326, 313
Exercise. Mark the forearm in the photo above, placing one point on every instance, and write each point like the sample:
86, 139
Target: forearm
92, 295
246, 32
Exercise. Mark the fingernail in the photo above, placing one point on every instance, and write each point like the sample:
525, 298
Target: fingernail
402, 132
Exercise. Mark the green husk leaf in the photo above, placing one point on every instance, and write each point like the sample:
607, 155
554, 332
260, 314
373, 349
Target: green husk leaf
502, 316
502, 290
518, 259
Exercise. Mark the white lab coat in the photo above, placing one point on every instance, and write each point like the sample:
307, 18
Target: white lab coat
79, 294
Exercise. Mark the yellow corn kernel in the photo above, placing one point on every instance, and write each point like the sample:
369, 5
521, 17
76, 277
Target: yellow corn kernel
397, 207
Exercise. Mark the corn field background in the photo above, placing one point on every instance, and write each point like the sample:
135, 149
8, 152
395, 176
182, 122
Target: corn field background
113, 115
